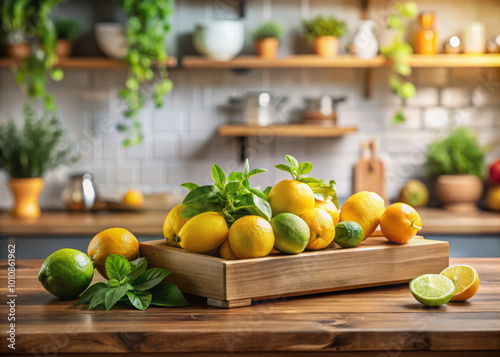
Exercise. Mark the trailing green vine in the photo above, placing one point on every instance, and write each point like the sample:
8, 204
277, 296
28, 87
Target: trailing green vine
146, 31
399, 51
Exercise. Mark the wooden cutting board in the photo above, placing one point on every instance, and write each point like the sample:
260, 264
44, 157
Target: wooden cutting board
369, 172
235, 283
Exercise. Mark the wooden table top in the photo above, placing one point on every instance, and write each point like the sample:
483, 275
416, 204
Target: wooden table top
150, 223
384, 319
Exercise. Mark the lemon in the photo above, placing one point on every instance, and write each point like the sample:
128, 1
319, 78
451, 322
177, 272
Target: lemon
400, 222
251, 237
465, 279
493, 198
173, 224
134, 198
290, 196
414, 193
348, 234
291, 233
364, 208
112, 241
203, 233
66, 273
322, 230
226, 252
330, 207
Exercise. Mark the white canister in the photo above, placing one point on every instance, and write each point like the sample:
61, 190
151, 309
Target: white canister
365, 43
474, 38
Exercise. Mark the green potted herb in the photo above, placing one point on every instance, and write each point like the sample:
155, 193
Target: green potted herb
25, 155
266, 37
14, 18
68, 30
323, 32
457, 162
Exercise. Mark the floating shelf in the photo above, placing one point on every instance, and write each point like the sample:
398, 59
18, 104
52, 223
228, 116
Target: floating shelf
343, 61
86, 62
290, 130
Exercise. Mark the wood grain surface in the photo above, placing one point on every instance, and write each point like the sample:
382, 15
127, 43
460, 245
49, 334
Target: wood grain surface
288, 130
383, 320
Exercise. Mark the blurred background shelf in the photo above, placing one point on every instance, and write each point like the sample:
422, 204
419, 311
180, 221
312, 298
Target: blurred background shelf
343, 61
86, 62
290, 130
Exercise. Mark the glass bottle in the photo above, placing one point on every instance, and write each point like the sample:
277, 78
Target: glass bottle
426, 36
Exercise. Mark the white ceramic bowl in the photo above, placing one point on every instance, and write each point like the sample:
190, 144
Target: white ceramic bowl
219, 40
111, 39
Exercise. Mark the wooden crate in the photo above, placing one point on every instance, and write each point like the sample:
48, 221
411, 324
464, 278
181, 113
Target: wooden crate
234, 283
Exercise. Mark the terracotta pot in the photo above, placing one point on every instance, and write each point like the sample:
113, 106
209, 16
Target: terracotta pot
64, 48
19, 50
267, 47
326, 46
26, 192
459, 192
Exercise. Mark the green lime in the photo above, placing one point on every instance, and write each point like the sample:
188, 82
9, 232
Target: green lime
66, 273
348, 234
291, 233
432, 289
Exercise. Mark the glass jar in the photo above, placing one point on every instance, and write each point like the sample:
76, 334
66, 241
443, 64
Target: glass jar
426, 36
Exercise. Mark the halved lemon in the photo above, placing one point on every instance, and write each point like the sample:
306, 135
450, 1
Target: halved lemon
465, 279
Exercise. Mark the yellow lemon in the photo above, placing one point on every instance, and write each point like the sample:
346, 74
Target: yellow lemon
465, 279
493, 198
321, 227
364, 208
400, 222
251, 237
330, 207
173, 224
290, 196
133, 197
203, 233
226, 252
112, 241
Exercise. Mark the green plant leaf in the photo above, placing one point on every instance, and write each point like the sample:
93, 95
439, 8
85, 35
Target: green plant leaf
138, 266
167, 294
88, 294
235, 176
267, 190
305, 168
117, 267
200, 194
399, 117
218, 176
140, 299
246, 169
113, 295
98, 298
150, 278
293, 161
284, 167
256, 172
262, 207
190, 211
258, 192
232, 187
190, 186
310, 180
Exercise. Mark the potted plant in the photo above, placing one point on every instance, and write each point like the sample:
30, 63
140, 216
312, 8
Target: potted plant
457, 162
14, 19
324, 32
266, 38
25, 155
68, 30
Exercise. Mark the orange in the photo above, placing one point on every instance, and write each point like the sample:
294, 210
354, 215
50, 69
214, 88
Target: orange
400, 222
365, 208
321, 227
112, 241
290, 196
173, 224
133, 197
330, 207
251, 237
465, 279
226, 252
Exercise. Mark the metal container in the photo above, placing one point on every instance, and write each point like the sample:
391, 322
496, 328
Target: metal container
259, 108
80, 193
321, 110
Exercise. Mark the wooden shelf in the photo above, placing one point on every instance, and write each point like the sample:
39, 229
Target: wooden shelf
343, 61
86, 63
290, 130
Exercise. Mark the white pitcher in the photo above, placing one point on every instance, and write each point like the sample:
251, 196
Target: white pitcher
365, 43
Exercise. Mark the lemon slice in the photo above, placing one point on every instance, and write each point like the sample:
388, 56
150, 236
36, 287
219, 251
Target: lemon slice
465, 279
432, 289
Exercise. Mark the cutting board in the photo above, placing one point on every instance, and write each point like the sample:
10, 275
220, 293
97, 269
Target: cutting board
369, 172
235, 283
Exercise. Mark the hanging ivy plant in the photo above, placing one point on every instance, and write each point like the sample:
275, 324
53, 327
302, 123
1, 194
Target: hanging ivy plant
146, 31
399, 51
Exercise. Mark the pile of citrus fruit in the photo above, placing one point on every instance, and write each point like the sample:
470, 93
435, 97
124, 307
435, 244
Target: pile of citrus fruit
294, 215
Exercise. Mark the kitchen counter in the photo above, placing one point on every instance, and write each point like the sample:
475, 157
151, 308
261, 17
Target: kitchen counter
379, 320
150, 223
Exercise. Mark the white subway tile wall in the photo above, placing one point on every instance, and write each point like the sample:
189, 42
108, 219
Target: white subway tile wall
181, 140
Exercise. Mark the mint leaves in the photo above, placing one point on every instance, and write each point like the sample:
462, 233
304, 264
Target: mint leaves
322, 189
134, 284
230, 195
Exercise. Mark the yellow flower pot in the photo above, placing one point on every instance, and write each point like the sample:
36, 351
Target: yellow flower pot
26, 193
326, 46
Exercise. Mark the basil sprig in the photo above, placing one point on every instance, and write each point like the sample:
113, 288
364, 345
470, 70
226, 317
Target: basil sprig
322, 189
133, 284
230, 196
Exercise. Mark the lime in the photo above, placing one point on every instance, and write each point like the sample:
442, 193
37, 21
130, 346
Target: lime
348, 234
66, 273
432, 289
291, 233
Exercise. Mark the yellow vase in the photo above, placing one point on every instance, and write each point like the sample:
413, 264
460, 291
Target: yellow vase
26, 192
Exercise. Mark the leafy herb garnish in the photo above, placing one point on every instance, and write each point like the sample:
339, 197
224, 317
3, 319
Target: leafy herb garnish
231, 196
322, 189
132, 283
